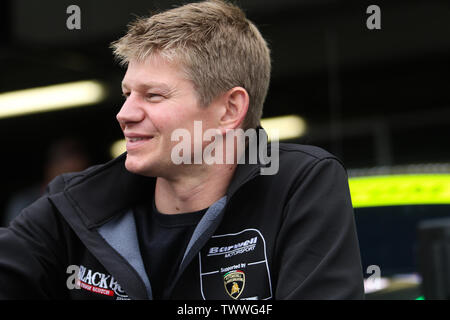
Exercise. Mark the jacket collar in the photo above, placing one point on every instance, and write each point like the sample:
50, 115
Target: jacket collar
107, 191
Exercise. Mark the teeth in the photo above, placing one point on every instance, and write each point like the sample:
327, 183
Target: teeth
136, 139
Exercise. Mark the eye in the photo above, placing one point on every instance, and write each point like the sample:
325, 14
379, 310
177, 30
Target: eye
125, 95
154, 97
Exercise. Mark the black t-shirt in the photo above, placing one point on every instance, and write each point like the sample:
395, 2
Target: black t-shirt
163, 238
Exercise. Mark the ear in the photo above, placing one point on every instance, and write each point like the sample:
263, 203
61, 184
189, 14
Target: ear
235, 107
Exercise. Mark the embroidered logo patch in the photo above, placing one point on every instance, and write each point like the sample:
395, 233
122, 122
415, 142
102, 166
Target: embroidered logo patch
239, 261
94, 281
234, 282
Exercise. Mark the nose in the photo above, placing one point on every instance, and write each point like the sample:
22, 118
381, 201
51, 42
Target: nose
131, 111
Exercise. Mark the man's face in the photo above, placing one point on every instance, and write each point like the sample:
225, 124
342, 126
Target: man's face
158, 101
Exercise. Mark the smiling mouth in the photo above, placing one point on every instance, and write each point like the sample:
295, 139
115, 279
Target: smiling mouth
136, 142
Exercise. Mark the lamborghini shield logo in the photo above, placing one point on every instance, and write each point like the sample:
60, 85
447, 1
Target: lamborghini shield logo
234, 282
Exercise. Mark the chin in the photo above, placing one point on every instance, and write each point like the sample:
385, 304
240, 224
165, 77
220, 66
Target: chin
144, 167
134, 164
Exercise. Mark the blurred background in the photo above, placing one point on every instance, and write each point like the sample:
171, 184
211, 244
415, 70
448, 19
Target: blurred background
378, 99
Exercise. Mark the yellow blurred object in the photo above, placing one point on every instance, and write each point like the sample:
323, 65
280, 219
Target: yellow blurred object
48, 98
288, 127
411, 189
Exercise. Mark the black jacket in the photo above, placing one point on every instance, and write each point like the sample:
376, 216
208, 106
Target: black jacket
285, 236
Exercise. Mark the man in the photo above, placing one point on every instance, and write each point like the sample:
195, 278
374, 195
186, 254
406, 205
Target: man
143, 227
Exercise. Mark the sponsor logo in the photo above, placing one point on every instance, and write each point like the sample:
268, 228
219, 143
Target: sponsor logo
234, 282
238, 248
97, 282
239, 260
88, 287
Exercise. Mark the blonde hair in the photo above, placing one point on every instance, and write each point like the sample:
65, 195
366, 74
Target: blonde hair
217, 46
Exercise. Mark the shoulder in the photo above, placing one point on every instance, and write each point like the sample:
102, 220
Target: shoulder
306, 151
42, 212
67, 180
305, 156
295, 165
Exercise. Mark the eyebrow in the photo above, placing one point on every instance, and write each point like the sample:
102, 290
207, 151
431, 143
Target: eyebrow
149, 85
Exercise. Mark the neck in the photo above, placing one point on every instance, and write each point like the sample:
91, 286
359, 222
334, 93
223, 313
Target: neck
193, 192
